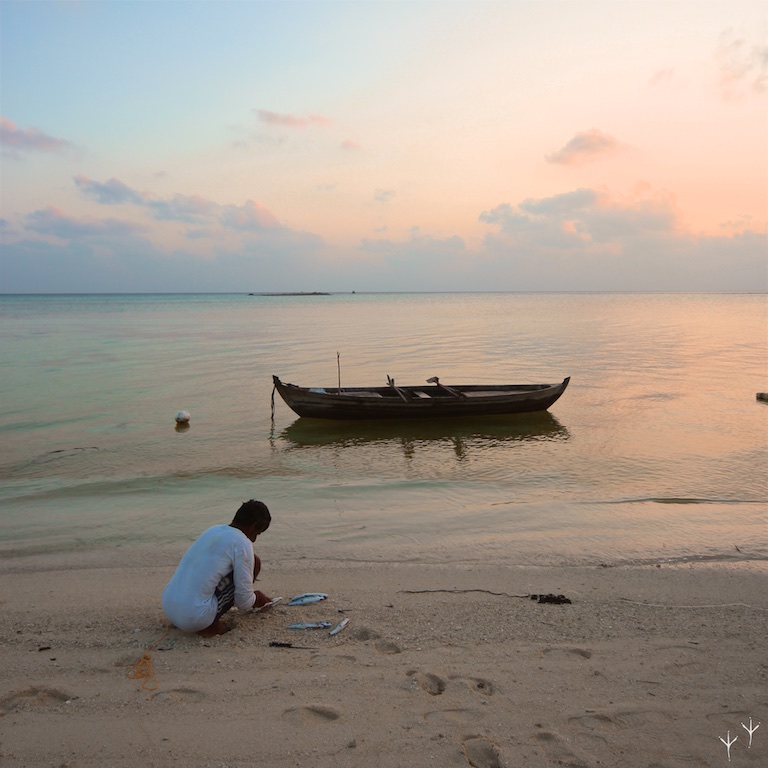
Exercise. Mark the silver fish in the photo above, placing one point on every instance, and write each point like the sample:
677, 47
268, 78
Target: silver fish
310, 625
307, 598
272, 602
335, 631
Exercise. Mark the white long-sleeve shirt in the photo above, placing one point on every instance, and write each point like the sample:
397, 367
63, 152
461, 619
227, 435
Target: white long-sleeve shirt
189, 600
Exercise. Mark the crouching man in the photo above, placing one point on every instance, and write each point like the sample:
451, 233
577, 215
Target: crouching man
217, 572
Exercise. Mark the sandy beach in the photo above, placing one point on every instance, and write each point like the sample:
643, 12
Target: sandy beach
449, 665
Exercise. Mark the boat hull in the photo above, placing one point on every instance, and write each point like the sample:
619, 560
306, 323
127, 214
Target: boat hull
359, 403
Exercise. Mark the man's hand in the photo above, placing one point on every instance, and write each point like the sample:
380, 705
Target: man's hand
261, 600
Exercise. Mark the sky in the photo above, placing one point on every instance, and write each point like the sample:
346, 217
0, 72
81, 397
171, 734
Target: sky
383, 145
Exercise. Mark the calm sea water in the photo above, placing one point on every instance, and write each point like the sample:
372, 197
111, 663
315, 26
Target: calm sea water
657, 450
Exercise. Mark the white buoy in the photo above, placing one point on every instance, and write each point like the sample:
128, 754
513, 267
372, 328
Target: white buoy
182, 417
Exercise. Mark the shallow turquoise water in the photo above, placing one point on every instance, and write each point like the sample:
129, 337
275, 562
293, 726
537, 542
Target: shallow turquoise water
657, 449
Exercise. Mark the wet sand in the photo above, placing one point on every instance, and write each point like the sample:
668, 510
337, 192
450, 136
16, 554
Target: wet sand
439, 666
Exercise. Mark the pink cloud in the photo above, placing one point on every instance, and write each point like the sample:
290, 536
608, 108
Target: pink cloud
32, 139
250, 216
585, 147
290, 121
584, 218
350, 145
743, 67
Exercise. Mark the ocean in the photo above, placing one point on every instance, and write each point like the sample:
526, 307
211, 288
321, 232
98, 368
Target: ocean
656, 452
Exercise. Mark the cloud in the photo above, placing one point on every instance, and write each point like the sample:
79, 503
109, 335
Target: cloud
123, 265
558, 222
290, 121
110, 192
190, 209
187, 208
589, 239
583, 218
584, 148
52, 221
224, 247
199, 233
743, 67
564, 203
249, 217
419, 263
126, 263
384, 195
350, 145
30, 140
585, 239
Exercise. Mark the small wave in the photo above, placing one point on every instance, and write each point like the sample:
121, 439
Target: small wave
682, 500
32, 467
735, 556
60, 453
657, 396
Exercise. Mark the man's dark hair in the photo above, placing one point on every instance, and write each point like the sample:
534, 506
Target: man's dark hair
252, 512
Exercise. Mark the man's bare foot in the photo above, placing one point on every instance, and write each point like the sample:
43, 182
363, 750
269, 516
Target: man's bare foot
217, 628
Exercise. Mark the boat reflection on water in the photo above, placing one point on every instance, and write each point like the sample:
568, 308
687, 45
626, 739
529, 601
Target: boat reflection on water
409, 434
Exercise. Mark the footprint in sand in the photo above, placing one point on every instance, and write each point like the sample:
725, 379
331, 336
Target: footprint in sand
387, 646
310, 714
453, 717
632, 719
364, 634
481, 753
680, 660
685, 668
179, 695
479, 684
557, 750
584, 653
428, 682
34, 698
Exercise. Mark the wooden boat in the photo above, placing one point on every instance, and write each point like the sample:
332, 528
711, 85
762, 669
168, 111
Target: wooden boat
439, 400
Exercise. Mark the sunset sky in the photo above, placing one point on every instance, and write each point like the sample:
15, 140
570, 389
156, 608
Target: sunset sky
383, 145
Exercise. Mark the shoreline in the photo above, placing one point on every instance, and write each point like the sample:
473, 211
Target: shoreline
134, 555
449, 665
